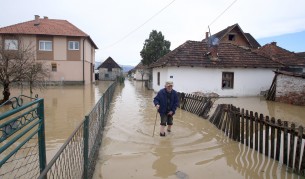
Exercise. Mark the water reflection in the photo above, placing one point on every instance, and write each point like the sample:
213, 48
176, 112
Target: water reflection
163, 165
195, 148
65, 108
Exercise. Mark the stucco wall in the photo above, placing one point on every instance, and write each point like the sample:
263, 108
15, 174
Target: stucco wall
60, 48
290, 89
247, 82
138, 75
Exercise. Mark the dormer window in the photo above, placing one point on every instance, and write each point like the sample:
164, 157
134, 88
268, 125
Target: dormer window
231, 37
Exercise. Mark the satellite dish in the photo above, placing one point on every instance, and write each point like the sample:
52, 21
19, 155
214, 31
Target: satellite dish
215, 41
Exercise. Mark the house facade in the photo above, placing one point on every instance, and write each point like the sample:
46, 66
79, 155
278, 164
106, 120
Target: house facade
141, 72
68, 52
226, 69
109, 70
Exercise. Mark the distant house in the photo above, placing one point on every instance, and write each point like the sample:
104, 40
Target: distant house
109, 70
141, 72
65, 49
234, 34
226, 69
293, 62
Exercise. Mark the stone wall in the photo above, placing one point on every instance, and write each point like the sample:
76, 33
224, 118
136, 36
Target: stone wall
290, 89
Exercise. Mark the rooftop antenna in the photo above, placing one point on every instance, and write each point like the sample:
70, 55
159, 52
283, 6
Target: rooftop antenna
212, 41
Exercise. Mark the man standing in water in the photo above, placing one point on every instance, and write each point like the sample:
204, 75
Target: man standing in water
166, 103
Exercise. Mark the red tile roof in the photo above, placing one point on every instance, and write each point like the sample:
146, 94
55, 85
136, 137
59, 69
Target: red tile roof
45, 26
194, 53
281, 55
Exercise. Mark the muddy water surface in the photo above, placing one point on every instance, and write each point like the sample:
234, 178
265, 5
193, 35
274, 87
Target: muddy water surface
65, 108
195, 149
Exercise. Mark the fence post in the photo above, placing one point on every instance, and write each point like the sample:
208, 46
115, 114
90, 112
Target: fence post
285, 155
278, 139
41, 136
251, 129
261, 132
298, 150
267, 136
256, 131
86, 146
272, 136
242, 126
291, 149
247, 127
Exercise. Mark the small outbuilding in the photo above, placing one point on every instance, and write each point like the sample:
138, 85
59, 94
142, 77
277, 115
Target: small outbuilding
109, 70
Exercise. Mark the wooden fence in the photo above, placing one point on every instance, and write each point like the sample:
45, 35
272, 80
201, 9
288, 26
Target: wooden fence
195, 104
274, 138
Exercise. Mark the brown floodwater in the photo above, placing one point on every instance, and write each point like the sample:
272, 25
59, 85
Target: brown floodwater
65, 108
195, 148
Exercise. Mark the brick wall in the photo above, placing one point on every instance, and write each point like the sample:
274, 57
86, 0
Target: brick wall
290, 89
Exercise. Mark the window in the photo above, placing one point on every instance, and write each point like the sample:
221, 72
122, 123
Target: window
109, 69
227, 80
45, 45
158, 77
54, 67
11, 44
231, 37
106, 75
73, 45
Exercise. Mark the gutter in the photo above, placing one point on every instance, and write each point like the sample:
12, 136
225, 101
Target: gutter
84, 60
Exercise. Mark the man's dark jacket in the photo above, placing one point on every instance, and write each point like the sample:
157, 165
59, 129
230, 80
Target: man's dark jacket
161, 99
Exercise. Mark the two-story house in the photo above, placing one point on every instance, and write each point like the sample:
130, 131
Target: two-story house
65, 49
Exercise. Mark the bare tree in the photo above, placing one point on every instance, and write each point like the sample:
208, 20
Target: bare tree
17, 64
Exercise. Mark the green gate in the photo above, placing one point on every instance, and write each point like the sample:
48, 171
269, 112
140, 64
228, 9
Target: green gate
22, 138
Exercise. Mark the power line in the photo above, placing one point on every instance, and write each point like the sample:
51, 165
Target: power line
123, 38
223, 12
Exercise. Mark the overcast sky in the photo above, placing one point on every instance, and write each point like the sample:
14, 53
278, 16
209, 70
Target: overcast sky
120, 27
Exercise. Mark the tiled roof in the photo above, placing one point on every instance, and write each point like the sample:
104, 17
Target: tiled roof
45, 26
194, 54
281, 55
301, 54
140, 66
109, 63
221, 34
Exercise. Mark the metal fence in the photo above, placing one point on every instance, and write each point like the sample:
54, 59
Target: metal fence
78, 155
22, 138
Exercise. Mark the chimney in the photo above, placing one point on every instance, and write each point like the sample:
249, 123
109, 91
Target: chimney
37, 22
207, 35
45, 17
273, 43
213, 53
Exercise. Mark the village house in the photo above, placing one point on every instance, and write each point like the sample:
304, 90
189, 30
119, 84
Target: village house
289, 84
293, 62
66, 50
109, 70
225, 69
141, 72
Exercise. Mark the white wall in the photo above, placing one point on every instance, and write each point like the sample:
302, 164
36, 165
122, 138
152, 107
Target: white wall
138, 75
247, 81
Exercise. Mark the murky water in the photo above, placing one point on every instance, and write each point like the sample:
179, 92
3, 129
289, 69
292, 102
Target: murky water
65, 108
194, 149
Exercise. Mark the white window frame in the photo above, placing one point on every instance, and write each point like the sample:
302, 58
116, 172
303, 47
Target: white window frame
42, 45
11, 44
75, 45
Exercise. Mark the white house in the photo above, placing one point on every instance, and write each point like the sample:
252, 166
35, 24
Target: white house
225, 69
141, 72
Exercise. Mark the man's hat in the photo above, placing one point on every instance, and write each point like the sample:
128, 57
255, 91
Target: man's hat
169, 83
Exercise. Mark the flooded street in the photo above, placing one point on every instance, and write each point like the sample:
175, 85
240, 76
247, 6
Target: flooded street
195, 149
65, 108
